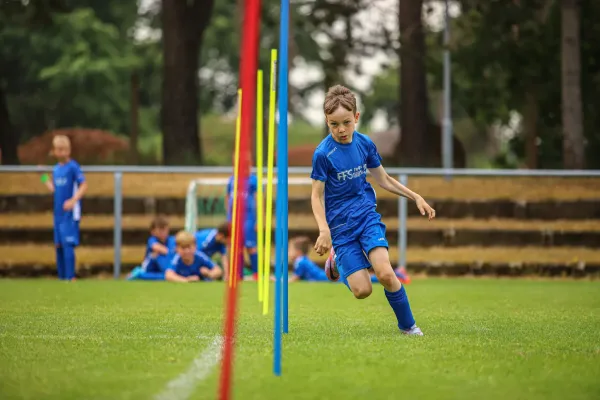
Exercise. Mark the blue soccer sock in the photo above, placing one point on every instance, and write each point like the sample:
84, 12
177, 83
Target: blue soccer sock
69, 257
60, 263
399, 303
151, 276
254, 262
374, 279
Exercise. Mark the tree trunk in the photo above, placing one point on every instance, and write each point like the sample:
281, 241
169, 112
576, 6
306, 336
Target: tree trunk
572, 113
184, 23
134, 118
9, 137
530, 122
413, 148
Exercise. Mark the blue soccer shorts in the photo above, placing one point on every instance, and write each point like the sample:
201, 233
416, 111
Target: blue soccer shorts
66, 232
352, 245
159, 263
250, 239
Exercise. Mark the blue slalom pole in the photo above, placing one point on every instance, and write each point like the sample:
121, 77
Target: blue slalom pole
282, 140
281, 202
277, 313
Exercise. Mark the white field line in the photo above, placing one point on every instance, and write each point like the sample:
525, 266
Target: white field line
183, 386
100, 337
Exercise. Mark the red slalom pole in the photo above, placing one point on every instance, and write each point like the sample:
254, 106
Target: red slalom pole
248, 67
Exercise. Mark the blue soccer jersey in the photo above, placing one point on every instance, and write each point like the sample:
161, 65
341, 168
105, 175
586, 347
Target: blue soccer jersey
343, 167
186, 270
170, 244
161, 262
250, 200
306, 270
66, 179
206, 242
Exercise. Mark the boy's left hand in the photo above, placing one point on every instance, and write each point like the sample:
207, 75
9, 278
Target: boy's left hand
204, 271
68, 205
425, 208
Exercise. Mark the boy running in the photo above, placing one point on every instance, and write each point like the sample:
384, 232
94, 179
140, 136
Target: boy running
342, 203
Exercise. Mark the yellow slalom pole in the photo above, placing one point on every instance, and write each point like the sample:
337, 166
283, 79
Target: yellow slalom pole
259, 173
269, 203
234, 260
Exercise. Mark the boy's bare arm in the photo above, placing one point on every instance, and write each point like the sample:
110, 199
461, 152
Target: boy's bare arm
317, 200
160, 249
393, 186
173, 276
215, 273
225, 261
69, 204
390, 184
80, 191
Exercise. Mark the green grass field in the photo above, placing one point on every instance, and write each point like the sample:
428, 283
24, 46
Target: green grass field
485, 339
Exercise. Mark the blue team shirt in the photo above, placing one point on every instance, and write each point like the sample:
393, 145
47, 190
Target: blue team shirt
153, 239
250, 200
206, 242
200, 260
307, 270
343, 167
66, 179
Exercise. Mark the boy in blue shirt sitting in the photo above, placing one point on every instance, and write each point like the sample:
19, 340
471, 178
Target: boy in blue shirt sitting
304, 268
214, 241
160, 249
190, 265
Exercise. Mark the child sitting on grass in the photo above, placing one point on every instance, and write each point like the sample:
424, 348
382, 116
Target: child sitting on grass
160, 250
190, 265
214, 241
304, 268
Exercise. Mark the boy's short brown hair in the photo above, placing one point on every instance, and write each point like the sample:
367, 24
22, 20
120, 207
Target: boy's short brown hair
339, 96
159, 222
224, 229
184, 239
302, 244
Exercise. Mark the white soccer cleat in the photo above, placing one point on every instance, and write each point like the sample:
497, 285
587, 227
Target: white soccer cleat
415, 330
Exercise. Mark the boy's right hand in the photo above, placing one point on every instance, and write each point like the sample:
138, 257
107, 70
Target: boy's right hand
193, 278
323, 243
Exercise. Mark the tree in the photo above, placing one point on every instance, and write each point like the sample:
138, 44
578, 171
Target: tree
572, 114
184, 24
500, 63
60, 67
17, 13
9, 138
413, 149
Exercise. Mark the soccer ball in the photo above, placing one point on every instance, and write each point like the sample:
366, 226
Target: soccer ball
333, 274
